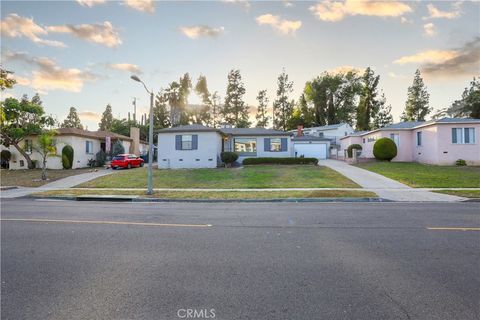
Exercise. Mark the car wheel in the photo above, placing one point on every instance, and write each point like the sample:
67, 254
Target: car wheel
129, 166
141, 164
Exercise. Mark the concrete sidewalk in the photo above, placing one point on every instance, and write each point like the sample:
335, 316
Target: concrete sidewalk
386, 187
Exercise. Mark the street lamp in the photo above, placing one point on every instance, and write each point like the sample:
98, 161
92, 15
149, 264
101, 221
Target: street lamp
150, 138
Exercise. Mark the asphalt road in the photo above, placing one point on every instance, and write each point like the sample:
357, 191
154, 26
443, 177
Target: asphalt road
255, 261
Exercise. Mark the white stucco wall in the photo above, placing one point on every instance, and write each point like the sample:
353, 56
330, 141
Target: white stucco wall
205, 156
261, 153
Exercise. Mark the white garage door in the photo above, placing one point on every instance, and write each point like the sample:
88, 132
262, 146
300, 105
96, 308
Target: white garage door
311, 150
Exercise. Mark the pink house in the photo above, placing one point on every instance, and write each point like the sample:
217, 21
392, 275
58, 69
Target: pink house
440, 142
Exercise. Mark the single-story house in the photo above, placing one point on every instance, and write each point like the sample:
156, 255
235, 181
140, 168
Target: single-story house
198, 146
85, 145
440, 142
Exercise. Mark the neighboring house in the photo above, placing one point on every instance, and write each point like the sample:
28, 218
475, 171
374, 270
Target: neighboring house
439, 142
332, 132
85, 145
197, 146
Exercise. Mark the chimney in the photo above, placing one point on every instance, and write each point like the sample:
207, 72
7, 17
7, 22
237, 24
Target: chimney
135, 144
300, 131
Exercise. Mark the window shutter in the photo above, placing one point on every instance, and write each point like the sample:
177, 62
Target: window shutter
454, 135
194, 141
178, 142
86, 146
284, 145
266, 144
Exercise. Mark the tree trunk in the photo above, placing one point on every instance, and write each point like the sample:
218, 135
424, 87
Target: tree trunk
25, 155
44, 169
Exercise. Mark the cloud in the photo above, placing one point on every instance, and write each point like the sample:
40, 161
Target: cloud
89, 115
22, 81
434, 13
282, 25
428, 56
195, 32
243, 3
132, 68
15, 26
429, 30
104, 34
466, 62
90, 3
345, 69
141, 5
47, 75
287, 4
333, 11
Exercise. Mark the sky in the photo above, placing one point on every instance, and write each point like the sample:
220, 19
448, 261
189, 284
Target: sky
82, 53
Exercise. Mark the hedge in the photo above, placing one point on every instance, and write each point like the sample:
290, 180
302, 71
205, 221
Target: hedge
254, 161
67, 157
228, 157
100, 158
385, 149
351, 147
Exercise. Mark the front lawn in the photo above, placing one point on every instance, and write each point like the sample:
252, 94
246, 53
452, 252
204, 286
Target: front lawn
474, 194
427, 176
268, 176
214, 195
32, 177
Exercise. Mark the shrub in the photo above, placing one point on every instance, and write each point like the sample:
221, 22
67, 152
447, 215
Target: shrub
67, 157
91, 163
117, 148
228, 157
351, 147
100, 158
385, 149
5, 155
254, 161
34, 164
461, 162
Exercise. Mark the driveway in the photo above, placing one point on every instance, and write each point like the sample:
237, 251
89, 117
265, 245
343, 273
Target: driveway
383, 186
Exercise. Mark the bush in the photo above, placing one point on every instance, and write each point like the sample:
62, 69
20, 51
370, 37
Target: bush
117, 148
228, 157
91, 163
5, 155
34, 164
385, 149
461, 162
67, 157
351, 147
100, 158
254, 161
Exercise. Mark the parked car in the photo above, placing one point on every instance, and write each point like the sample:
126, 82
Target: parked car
126, 161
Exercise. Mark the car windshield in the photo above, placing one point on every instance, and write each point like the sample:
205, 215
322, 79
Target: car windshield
118, 158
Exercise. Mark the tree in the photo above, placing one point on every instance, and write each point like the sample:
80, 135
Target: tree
384, 116
5, 81
46, 148
235, 111
467, 106
107, 119
176, 94
201, 114
22, 119
283, 106
368, 105
416, 106
72, 120
161, 118
117, 148
262, 113
215, 108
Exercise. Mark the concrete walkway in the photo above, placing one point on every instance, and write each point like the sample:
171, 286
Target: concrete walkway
386, 187
64, 183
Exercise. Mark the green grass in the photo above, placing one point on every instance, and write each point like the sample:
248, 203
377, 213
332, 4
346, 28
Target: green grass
223, 195
427, 176
32, 177
462, 193
268, 176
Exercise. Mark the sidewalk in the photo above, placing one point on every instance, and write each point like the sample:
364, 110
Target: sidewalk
386, 187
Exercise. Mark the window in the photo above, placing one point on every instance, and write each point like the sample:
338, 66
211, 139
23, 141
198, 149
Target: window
187, 142
396, 138
28, 146
245, 145
89, 147
275, 144
463, 135
419, 139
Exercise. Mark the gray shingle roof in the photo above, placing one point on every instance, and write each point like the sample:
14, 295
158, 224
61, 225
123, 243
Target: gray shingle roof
403, 125
253, 132
188, 128
455, 120
309, 138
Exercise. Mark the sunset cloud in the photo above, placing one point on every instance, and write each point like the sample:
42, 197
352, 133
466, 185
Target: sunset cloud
243, 3
333, 11
428, 56
89, 116
284, 26
429, 30
434, 13
132, 68
201, 31
104, 34
91, 3
345, 69
47, 75
15, 26
141, 5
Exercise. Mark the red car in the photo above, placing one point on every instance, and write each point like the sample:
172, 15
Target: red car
126, 161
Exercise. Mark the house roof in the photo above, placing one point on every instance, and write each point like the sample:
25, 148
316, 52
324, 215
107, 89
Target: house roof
328, 127
188, 128
253, 132
309, 138
90, 134
403, 125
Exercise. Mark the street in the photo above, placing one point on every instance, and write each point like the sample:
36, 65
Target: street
100, 260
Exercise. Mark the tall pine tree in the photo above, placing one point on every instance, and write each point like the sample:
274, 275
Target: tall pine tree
72, 120
160, 113
107, 119
282, 105
417, 105
384, 116
262, 112
368, 105
201, 114
235, 111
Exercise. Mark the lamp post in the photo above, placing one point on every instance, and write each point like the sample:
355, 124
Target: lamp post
150, 138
